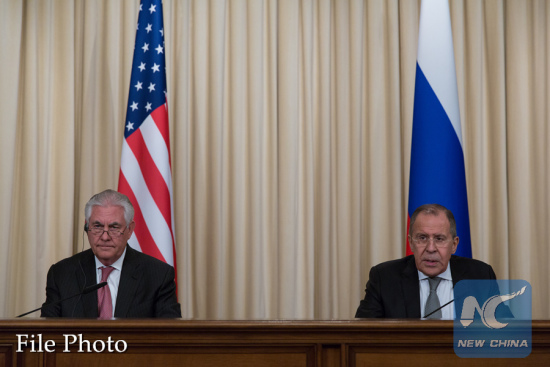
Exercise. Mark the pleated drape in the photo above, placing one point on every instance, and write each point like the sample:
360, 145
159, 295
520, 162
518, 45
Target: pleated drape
290, 134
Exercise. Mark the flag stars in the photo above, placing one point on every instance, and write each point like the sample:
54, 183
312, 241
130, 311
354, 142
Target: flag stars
149, 28
138, 86
153, 9
155, 68
148, 107
162, 32
130, 126
145, 47
159, 49
141, 66
134, 106
151, 87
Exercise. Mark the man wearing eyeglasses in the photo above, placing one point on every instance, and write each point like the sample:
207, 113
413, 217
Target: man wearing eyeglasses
422, 284
138, 285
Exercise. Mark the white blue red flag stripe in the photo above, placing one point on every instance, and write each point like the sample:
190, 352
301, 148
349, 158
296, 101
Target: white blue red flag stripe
145, 169
437, 172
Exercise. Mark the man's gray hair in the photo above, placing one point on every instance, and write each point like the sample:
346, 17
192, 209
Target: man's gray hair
110, 198
434, 209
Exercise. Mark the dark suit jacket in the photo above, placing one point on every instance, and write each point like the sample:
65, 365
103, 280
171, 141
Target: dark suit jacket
393, 289
146, 289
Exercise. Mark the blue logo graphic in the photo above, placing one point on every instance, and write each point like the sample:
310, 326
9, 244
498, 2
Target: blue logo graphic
493, 319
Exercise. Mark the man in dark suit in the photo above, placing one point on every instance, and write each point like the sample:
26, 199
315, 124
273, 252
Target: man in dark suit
401, 288
138, 285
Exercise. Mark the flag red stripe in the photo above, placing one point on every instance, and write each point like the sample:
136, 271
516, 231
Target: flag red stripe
409, 250
160, 116
141, 231
151, 174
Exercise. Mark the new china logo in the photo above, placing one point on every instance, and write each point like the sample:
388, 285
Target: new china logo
495, 319
487, 312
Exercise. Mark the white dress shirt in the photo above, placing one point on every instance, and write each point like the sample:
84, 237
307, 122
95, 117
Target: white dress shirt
445, 293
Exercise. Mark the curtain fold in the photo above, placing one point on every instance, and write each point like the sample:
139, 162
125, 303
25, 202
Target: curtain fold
10, 109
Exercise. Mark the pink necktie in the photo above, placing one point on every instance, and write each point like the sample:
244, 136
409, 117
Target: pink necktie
104, 301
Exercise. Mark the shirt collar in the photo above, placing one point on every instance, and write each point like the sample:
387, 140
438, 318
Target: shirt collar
117, 264
445, 275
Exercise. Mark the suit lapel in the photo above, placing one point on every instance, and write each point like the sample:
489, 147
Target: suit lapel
457, 272
89, 301
129, 280
411, 289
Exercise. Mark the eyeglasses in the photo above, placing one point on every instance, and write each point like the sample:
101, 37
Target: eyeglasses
113, 232
439, 241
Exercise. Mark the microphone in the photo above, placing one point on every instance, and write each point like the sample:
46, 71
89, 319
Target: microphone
437, 309
89, 289
84, 291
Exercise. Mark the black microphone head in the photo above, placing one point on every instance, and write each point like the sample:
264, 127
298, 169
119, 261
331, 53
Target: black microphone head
93, 287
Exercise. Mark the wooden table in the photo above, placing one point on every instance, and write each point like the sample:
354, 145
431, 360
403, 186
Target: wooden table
164, 343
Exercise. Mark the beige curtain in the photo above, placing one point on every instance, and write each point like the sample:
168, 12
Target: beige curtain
290, 133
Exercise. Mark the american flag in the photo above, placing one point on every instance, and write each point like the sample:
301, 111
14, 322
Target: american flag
145, 169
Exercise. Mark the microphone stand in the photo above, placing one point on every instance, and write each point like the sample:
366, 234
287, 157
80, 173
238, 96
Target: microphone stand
437, 309
84, 291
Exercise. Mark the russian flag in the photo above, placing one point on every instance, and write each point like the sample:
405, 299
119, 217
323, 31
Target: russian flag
437, 172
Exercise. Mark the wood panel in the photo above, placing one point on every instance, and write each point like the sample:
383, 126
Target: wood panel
166, 343
191, 356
